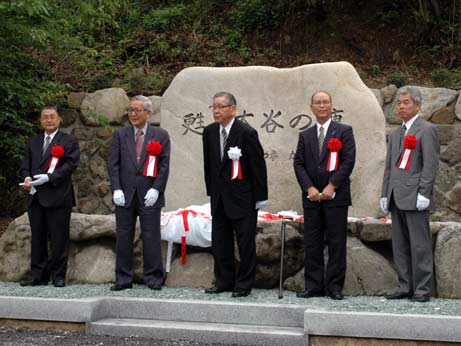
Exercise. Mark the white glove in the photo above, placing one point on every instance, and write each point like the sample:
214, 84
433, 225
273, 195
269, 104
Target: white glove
261, 204
32, 191
40, 180
383, 204
151, 197
422, 202
119, 198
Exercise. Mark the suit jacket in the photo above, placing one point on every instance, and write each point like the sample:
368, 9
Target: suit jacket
238, 196
404, 185
311, 168
58, 192
125, 172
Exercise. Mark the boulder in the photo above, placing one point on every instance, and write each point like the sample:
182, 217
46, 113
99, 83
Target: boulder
378, 96
446, 177
279, 114
85, 227
109, 105
68, 116
155, 118
197, 272
374, 230
433, 100
458, 107
367, 273
75, 99
444, 115
454, 198
452, 154
446, 133
447, 256
388, 92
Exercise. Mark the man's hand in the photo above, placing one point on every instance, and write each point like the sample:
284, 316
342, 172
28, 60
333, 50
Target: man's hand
328, 192
119, 198
26, 184
151, 197
384, 205
313, 194
422, 202
40, 179
261, 204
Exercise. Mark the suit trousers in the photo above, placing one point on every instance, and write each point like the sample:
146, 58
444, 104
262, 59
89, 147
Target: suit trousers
412, 249
223, 228
49, 223
322, 223
149, 218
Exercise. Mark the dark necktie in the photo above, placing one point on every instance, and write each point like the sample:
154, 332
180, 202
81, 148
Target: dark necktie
138, 145
402, 134
224, 142
321, 139
46, 145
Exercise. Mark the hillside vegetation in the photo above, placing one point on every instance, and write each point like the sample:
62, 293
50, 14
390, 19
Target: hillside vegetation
49, 48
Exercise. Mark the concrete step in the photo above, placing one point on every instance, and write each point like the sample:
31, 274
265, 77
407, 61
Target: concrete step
225, 333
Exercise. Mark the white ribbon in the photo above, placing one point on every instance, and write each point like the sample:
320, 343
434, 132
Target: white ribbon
151, 166
332, 161
234, 154
53, 164
405, 159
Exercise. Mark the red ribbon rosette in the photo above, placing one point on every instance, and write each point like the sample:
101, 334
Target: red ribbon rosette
334, 146
409, 143
57, 152
154, 149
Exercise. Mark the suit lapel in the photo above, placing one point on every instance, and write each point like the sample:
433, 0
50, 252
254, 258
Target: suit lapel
130, 144
47, 156
330, 134
414, 128
148, 137
314, 143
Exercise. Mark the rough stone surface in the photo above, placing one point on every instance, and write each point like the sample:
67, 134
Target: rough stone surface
68, 116
444, 115
446, 177
197, 272
454, 198
374, 230
92, 263
458, 107
447, 257
259, 96
74, 100
379, 96
388, 92
110, 104
87, 227
446, 134
452, 154
433, 100
363, 265
155, 118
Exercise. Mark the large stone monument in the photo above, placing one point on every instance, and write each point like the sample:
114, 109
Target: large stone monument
276, 103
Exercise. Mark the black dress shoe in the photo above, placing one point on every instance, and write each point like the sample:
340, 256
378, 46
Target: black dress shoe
420, 298
59, 283
398, 295
238, 292
336, 295
217, 290
309, 294
155, 287
26, 283
118, 287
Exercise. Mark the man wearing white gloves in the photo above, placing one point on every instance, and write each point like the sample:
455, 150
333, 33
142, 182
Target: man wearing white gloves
49, 160
139, 167
408, 193
236, 181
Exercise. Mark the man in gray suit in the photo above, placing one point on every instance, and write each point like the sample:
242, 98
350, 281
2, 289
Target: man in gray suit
411, 165
138, 185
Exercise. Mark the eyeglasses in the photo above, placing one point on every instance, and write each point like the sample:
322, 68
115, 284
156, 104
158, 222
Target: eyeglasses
135, 110
218, 107
318, 103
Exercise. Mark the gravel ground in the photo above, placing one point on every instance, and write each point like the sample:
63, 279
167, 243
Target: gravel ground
450, 307
25, 337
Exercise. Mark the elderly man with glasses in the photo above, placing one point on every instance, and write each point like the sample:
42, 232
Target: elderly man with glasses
139, 167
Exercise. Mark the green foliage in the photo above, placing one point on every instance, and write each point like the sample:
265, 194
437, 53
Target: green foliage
166, 19
258, 14
442, 77
397, 78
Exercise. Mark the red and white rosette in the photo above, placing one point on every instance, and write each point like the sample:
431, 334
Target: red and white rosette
153, 149
57, 152
334, 146
234, 154
409, 143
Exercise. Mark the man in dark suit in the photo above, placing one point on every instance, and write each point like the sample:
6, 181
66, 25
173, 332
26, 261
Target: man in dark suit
51, 197
136, 192
326, 197
408, 192
237, 189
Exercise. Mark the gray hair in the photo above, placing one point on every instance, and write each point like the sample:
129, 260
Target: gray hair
414, 92
230, 99
318, 92
147, 103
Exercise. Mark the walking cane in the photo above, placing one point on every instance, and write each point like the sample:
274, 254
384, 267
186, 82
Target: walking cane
282, 250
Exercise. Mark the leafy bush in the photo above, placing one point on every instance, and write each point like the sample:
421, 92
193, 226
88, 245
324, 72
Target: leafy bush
165, 19
441, 77
397, 78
